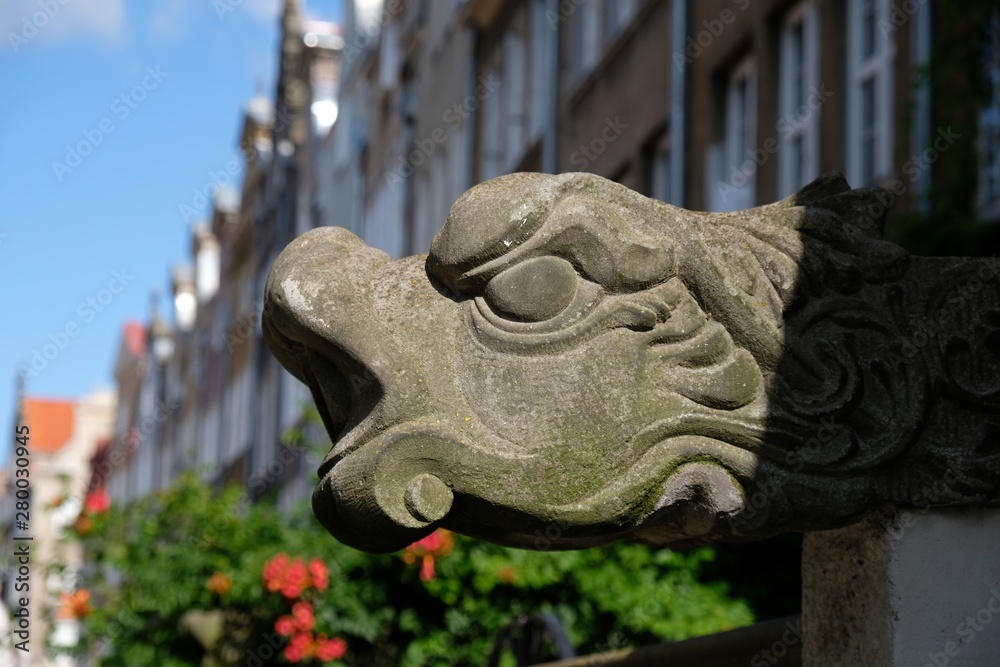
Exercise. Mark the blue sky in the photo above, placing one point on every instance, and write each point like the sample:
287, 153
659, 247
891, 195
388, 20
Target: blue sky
114, 114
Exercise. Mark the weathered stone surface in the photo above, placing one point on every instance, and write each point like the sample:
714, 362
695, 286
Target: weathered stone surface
574, 363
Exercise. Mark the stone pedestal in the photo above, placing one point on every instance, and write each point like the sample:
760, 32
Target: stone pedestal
909, 588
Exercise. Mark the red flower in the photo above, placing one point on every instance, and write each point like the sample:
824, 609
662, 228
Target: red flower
435, 545
320, 575
98, 502
297, 570
300, 647
438, 543
427, 569
302, 612
285, 626
333, 649
274, 571
292, 577
294, 653
431, 543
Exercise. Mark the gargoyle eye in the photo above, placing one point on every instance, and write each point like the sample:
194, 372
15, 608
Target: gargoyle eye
535, 290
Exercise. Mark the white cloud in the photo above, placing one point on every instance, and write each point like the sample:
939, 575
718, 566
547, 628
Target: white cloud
268, 11
54, 20
168, 19
264, 10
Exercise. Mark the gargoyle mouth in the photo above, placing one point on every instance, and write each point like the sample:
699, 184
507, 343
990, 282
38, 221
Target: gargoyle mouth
393, 490
337, 398
385, 494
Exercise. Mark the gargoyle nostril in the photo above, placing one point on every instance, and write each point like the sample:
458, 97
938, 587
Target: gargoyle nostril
428, 498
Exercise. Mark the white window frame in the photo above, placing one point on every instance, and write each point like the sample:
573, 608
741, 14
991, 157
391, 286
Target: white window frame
731, 187
876, 67
615, 17
539, 34
491, 159
741, 128
515, 62
798, 117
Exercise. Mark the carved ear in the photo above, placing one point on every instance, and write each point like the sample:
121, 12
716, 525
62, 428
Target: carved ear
836, 235
862, 210
830, 184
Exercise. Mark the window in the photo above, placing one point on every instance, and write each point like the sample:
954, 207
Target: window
660, 171
586, 38
798, 101
595, 25
389, 57
732, 170
616, 15
870, 104
740, 116
541, 33
989, 130
491, 132
514, 75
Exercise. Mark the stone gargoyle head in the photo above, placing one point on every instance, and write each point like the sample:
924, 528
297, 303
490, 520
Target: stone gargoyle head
574, 363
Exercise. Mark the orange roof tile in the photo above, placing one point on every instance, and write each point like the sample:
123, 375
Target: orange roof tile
50, 423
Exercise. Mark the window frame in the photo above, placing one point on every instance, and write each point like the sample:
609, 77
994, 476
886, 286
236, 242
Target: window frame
792, 177
876, 68
988, 149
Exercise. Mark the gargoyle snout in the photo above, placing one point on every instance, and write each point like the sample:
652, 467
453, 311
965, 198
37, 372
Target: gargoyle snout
322, 323
319, 320
318, 290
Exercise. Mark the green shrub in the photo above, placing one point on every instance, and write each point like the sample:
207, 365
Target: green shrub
178, 578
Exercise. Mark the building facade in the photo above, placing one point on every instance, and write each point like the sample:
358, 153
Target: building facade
204, 393
379, 124
716, 105
63, 436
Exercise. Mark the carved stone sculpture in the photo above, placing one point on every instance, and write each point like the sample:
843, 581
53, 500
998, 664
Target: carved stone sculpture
575, 363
